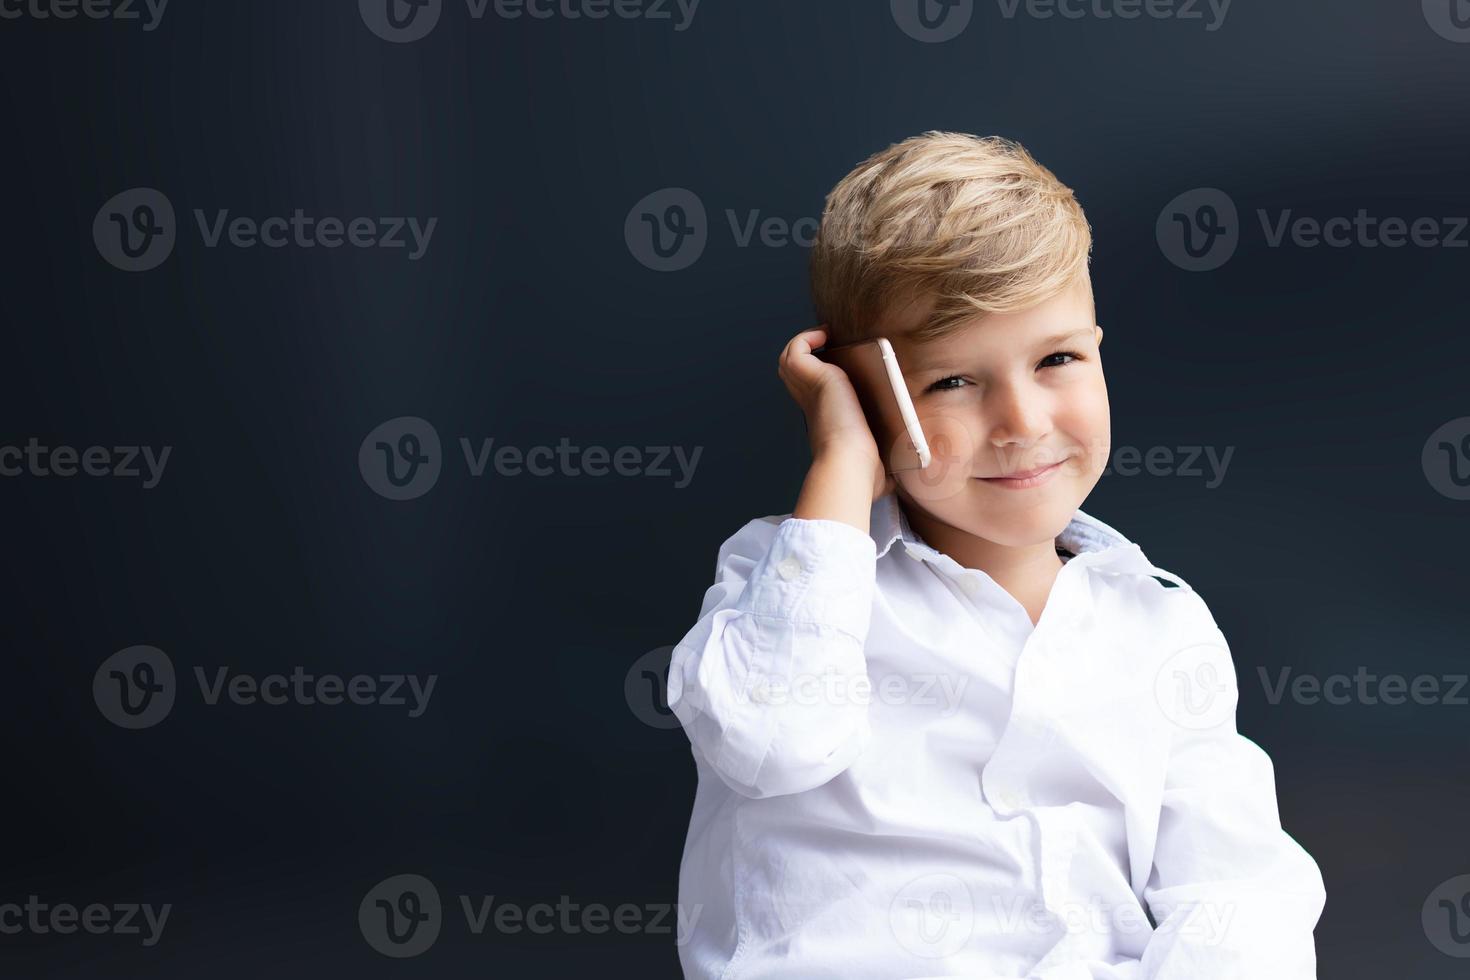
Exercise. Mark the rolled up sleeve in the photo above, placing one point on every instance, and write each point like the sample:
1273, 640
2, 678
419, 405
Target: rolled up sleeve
779, 632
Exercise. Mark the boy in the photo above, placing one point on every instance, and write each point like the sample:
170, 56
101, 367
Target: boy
945, 723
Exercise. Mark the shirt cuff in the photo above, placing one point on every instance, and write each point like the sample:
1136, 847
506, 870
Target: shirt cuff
816, 571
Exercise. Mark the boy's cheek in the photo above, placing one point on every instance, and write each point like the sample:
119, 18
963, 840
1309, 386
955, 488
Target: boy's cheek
1090, 423
953, 446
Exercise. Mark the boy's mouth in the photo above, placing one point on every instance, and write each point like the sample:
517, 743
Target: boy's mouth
1023, 479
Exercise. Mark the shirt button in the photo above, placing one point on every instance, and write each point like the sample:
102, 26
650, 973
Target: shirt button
789, 568
970, 584
760, 692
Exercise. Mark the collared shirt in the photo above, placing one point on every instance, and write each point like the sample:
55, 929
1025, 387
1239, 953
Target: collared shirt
900, 776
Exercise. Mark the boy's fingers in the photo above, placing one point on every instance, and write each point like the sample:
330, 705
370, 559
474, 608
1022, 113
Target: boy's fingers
800, 344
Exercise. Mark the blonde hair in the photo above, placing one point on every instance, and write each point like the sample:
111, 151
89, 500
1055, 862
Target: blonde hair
973, 223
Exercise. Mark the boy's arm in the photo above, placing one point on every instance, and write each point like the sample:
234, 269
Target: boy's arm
1233, 894
769, 684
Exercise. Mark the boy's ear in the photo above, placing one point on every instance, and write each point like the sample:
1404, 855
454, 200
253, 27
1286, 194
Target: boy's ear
1097, 337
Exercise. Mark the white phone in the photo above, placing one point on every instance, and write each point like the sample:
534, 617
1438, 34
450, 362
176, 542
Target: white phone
917, 441
872, 366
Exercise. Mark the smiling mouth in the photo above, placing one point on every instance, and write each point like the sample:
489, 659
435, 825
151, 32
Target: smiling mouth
1026, 478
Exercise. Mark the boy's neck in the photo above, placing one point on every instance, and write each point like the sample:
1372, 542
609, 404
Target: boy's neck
1026, 572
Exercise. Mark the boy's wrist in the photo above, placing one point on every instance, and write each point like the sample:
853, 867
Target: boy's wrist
838, 487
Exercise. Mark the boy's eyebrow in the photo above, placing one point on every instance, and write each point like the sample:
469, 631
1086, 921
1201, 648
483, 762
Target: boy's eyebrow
928, 356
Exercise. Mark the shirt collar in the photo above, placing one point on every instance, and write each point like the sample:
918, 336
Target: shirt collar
1086, 537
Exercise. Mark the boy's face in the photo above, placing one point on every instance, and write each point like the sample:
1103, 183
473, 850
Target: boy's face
1008, 394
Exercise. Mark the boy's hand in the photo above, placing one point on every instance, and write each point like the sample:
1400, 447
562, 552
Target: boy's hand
839, 432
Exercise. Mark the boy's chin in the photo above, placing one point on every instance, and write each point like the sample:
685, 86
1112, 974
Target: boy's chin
1031, 519
1023, 526
1032, 529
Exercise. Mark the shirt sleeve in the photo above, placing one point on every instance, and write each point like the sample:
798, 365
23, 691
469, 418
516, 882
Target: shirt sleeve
770, 683
1232, 894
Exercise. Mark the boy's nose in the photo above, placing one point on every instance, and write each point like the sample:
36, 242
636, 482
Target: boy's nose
1018, 418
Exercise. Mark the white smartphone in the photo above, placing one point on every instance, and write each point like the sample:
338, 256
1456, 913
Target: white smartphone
872, 367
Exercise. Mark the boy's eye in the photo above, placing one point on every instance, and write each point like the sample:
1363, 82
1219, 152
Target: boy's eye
943, 384
1062, 353
954, 381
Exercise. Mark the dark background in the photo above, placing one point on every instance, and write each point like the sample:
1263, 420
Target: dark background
529, 319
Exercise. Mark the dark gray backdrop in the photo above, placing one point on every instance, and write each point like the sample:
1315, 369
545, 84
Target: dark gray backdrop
541, 768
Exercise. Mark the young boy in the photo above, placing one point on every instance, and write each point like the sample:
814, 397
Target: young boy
945, 723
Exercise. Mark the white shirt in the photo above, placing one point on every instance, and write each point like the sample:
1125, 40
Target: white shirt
901, 777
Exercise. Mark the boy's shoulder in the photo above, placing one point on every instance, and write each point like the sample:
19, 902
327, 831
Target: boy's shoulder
1086, 533
1140, 590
